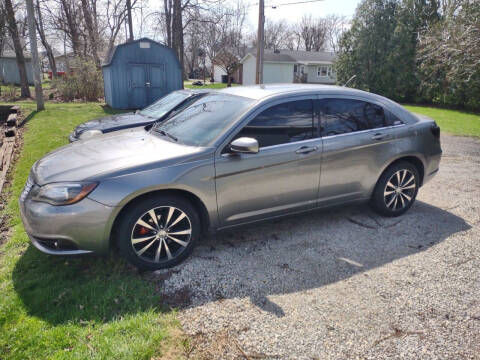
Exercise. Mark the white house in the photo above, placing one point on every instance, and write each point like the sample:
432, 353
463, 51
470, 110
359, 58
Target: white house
289, 66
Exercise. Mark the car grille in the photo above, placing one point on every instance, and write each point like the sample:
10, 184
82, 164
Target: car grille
28, 187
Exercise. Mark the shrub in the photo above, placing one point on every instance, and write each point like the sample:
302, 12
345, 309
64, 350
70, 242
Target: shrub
11, 92
83, 81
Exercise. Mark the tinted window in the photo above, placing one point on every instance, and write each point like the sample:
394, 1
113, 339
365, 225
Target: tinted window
392, 119
341, 116
283, 123
205, 119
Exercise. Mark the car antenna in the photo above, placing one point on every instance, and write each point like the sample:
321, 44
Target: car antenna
348, 81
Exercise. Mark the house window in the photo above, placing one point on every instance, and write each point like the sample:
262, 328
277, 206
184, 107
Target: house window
295, 68
302, 69
324, 71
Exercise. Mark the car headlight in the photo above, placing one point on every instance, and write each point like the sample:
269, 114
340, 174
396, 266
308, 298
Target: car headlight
89, 134
63, 193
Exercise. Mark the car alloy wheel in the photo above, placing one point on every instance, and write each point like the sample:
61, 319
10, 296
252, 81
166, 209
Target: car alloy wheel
399, 190
396, 189
161, 234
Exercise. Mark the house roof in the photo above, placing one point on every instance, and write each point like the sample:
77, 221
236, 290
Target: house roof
294, 56
11, 54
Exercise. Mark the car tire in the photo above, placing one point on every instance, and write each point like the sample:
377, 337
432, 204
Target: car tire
396, 189
151, 244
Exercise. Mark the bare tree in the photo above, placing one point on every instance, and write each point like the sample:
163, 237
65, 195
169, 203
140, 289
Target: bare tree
232, 43
91, 28
37, 75
168, 9
130, 21
69, 19
313, 33
13, 30
43, 38
335, 26
3, 27
116, 13
276, 34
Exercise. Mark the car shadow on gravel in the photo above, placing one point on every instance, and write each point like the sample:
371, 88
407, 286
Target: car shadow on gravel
304, 252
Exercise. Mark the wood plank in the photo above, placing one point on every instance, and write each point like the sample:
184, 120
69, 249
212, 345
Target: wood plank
6, 160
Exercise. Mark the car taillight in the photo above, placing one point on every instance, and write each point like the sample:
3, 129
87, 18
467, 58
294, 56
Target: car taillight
435, 130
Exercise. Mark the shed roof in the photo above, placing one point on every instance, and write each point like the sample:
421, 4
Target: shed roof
111, 55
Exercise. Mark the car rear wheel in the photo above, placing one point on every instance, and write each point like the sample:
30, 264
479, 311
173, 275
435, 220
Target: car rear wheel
158, 232
396, 189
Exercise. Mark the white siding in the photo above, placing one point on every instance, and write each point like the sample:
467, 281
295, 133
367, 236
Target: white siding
313, 78
272, 72
277, 73
217, 73
249, 66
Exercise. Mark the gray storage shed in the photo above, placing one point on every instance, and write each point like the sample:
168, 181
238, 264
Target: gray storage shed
137, 73
9, 73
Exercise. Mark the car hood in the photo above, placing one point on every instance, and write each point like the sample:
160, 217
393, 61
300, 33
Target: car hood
114, 122
113, 154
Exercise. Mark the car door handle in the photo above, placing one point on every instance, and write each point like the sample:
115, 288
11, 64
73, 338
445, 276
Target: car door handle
380, 136
306, 149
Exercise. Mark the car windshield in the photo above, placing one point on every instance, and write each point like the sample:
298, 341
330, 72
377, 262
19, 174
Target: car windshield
202, 122
165, 104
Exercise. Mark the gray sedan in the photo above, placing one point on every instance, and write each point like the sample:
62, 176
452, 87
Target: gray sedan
234, 157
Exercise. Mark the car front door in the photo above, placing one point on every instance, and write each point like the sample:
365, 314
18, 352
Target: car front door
358, 140
283, 176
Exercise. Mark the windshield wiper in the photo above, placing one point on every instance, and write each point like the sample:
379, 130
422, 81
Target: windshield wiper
164, 133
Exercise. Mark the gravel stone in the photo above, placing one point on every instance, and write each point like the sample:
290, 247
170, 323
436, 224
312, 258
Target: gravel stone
344, 283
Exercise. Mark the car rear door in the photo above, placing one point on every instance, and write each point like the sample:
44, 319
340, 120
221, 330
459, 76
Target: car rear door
358, 141
283, 176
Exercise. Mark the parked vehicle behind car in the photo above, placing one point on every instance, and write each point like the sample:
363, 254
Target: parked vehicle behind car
236, 156
167, 106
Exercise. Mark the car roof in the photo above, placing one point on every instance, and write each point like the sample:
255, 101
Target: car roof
195, 91
258, 92
264, 91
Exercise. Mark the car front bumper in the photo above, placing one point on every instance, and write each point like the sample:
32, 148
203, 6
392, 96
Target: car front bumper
77, 229
72, 137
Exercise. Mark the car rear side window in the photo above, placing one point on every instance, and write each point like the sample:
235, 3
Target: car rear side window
343, 116
283, 123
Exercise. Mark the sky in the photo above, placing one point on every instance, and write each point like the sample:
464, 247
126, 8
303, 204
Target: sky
293, 13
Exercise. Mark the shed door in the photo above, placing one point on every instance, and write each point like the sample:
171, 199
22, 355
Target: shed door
138, 85
157, 82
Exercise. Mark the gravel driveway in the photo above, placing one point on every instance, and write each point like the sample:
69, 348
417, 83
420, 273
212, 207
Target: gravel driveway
344, 283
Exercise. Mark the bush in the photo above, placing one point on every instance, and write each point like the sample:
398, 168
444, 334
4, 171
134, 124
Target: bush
83, 81
11, 92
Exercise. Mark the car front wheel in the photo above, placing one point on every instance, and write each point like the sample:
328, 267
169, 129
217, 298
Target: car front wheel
158, 232
396, 189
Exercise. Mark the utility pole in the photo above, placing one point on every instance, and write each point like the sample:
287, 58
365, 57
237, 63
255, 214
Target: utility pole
37, 77
261, 23
130, 22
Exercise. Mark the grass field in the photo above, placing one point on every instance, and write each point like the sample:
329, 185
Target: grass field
58, 308
451, 121
188, 85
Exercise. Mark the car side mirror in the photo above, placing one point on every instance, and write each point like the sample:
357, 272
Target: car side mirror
244, 145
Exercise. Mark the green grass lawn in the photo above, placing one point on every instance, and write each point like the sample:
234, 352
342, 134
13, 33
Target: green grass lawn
451, 121
75, 308
188, 85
